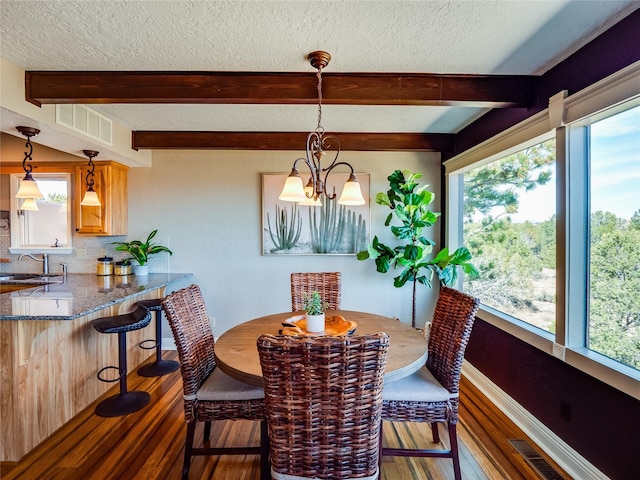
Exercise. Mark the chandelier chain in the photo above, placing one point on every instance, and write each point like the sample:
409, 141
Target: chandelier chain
319, 75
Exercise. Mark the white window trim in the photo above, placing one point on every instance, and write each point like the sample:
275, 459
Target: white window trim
609, 92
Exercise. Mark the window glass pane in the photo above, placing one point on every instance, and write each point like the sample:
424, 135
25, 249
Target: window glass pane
614, 247
509, 227
48, 224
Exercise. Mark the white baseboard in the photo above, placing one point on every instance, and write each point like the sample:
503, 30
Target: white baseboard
168, 344
571, 461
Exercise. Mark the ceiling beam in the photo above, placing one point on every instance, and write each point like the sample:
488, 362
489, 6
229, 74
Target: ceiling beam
413, 142
102, 87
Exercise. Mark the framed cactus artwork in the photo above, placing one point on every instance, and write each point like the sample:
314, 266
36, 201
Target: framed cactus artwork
290, 228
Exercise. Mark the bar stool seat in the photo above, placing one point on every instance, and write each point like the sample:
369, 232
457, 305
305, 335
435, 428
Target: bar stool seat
160, 366
125, 402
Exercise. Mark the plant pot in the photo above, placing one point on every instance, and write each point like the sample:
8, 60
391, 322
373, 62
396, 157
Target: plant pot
315, 323
141, 270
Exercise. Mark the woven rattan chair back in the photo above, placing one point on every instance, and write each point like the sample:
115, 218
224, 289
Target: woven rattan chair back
187, 316
189, 321
323, 397
449, 334
329, 284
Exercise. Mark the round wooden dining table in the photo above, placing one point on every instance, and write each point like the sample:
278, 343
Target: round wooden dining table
237, 353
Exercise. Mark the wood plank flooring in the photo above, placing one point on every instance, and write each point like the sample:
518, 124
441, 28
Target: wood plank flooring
149, 444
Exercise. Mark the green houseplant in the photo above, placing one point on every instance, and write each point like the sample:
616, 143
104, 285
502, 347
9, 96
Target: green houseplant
139, 251
315, 307
409, 204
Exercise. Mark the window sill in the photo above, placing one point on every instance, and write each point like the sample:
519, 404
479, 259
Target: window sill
49, 250
614, 374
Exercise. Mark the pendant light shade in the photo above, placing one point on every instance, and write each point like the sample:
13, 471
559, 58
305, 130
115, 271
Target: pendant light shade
28, 186
29, 204
90, 198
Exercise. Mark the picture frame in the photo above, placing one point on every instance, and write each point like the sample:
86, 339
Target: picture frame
331, 229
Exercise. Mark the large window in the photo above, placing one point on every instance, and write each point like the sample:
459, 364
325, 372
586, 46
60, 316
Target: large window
550, 210
509, 228
614, 234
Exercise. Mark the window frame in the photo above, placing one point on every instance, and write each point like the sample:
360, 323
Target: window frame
563, 114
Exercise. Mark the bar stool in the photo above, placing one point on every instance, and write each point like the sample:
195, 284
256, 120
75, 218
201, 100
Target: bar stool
125, 402
160, 366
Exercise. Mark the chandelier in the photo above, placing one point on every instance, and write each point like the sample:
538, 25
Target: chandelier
28, 190
318, 143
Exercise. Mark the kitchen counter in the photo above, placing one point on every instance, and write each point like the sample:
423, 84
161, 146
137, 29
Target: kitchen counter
80, 295
50, 353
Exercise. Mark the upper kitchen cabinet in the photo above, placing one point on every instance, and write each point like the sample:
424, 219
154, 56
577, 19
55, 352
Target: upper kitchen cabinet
111, 186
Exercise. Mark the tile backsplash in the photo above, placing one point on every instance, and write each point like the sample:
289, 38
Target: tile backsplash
95, 247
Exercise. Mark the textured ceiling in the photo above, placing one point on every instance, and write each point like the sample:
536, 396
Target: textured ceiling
463, 37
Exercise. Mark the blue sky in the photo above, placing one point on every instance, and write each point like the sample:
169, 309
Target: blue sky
615, 172
615, 164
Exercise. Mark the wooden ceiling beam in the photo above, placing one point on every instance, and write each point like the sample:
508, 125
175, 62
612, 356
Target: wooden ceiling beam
413, 142
102, 87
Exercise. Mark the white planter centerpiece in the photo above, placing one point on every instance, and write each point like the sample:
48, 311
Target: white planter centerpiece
314, 306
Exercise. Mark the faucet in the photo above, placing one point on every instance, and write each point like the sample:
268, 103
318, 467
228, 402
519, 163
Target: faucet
44, 260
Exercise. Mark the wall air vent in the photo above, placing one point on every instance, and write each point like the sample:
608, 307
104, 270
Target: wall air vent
85, 120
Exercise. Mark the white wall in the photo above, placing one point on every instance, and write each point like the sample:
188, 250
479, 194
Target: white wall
206, 206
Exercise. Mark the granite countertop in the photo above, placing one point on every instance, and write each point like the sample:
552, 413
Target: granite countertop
81, 294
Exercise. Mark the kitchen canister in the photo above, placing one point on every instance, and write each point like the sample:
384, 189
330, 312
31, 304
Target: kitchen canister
104, 266
122, 268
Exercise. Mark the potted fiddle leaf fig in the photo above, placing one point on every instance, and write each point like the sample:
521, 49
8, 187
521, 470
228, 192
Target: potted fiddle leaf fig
314, 306
140, 252
409, 204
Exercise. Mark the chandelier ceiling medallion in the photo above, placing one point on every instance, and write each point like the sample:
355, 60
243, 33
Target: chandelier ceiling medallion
318, 143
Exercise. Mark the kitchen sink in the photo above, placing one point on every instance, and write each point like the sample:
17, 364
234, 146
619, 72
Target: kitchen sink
31, 278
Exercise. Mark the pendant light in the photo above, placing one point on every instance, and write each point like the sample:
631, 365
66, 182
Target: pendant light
318, 144
28, 190
90, 198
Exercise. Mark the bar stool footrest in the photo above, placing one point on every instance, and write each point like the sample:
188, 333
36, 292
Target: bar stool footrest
150, 347
158, 368
110, 380
122, 404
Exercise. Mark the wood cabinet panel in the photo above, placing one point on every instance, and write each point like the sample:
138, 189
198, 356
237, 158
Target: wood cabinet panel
110, 183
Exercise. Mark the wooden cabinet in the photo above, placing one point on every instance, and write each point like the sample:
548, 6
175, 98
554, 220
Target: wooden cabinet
111, 186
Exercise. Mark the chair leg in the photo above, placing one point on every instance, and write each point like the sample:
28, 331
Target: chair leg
435, 433
207, 431
265, 465
188, 446
453, 440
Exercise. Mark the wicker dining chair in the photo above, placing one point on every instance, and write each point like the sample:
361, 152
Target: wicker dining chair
329, 284
209, 394
431, 394
323, 397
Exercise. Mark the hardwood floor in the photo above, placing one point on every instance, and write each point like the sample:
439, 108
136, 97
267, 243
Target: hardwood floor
149, 444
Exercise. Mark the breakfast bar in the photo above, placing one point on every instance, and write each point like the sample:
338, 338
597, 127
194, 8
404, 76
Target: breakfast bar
50, 352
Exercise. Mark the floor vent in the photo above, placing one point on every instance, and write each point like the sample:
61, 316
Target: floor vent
537, 462
85, 120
